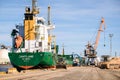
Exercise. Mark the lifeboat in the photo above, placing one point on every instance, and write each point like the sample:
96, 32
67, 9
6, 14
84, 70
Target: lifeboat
18, 41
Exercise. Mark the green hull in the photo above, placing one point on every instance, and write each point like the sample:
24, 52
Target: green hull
28, 60
67, 58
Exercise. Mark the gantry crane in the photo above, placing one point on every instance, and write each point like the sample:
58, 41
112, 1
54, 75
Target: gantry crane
90, 51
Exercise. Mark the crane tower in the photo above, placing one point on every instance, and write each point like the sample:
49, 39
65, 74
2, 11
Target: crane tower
90, 51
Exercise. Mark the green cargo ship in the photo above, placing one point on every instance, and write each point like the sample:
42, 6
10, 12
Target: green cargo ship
30, 60
33, 43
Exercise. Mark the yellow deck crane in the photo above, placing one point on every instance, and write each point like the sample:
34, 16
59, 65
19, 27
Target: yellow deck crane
90, 51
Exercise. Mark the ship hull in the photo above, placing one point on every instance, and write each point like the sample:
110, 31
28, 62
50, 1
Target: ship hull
67, 58
27, 60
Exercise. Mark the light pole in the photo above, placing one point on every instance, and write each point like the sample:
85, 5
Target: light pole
63, 52
110, 35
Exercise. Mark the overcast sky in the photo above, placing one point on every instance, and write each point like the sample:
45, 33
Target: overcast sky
77, 22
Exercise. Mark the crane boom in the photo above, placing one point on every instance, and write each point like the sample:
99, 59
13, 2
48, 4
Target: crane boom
98, 34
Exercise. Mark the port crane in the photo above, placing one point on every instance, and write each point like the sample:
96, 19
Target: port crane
90, 51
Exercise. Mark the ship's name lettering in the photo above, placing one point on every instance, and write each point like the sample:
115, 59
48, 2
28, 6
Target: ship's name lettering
26, 58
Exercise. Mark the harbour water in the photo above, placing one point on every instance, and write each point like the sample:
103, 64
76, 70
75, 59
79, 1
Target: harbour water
5, 67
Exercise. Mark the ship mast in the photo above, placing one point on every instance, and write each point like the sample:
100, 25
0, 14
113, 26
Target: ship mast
51, 37
49, 31
35, 10
49, 15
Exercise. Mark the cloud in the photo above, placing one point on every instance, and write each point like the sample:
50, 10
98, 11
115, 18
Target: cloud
73, 11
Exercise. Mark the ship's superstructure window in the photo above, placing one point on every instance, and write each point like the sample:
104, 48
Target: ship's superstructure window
40, 22
28, 16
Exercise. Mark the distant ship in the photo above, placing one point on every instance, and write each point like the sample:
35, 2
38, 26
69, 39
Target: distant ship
33, 44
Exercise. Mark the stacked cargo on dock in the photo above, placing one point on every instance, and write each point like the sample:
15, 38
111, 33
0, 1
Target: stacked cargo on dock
4, 59
113, 63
